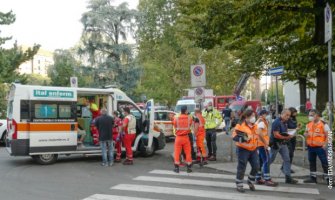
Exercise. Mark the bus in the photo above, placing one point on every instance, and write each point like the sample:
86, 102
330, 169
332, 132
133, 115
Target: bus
42, 121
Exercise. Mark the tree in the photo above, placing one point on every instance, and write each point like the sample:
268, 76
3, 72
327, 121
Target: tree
106, 28
289, 34
37, 79
166, 55
10, 60
63, 68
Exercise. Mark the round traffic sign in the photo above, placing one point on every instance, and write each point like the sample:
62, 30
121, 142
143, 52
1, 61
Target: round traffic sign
74, 80
198, 71
199, 91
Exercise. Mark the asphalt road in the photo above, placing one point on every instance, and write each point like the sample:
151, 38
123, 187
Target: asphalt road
77, 177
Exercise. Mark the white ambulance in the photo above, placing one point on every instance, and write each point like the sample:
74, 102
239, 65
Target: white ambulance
43, 121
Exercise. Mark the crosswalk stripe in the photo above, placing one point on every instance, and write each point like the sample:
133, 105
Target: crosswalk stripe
196, 193
113, 197
211, 175
225, 184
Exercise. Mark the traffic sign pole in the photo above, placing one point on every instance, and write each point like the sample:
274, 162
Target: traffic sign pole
328, 39
277, 71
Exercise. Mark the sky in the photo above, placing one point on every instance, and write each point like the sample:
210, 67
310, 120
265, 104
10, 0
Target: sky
54, 24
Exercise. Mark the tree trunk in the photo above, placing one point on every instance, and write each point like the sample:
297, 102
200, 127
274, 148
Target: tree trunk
319, 6
321, 89
302, 88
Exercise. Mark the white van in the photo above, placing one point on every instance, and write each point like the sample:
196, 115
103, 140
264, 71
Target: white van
190, 103
43, 121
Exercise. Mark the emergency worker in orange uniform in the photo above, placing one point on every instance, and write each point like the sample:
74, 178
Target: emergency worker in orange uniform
246, 137
316, 136
182, 125
200, 133
263, 150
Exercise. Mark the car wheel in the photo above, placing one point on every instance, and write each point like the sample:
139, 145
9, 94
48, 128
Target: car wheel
45, 159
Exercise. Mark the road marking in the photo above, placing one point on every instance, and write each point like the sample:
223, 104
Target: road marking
113, 197
225, 184
211, 175
196, 193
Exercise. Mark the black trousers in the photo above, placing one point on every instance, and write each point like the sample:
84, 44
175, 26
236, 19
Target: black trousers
211, 142
291, 147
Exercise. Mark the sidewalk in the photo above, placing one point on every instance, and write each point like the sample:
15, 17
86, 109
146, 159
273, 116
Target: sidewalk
226, 160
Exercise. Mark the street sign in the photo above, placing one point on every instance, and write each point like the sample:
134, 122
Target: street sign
198, 75
277, 71
74, 81
239, 98
199, 94
328, 23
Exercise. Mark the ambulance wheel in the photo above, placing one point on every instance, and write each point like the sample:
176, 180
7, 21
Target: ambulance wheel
150, 151
45, 159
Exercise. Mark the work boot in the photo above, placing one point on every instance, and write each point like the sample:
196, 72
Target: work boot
176, 168
128, 162
204, 161
271, 183
260, 182
212, 158
310, 180
251, 186
240, 189
290, 180
189, 170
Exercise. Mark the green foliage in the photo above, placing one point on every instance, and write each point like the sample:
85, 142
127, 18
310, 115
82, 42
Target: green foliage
302, 119
106, 27
62, 69
37, 79
272, 93
166, 55
263, 33
10, 60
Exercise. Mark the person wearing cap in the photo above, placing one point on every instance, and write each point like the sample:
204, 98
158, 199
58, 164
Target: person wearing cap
182, 125
263, 175
213, 119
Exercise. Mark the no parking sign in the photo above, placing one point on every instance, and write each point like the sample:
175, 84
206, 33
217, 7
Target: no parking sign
198, 75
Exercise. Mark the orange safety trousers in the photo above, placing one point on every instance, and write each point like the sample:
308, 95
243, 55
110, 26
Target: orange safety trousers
200, 143
182, 142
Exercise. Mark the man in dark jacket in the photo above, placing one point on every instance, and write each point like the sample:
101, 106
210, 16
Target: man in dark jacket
104, 124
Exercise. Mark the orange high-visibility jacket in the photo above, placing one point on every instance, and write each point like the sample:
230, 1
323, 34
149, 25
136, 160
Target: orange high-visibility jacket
251, 145
264, 133
316, 135
202, 121
182, 124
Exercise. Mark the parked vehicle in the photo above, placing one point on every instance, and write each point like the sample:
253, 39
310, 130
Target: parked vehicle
220, 102
3, 130
163, 119
43, 121
190, 103
240, 106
